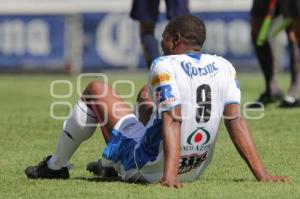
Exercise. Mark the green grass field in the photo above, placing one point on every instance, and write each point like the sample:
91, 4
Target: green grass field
28, 134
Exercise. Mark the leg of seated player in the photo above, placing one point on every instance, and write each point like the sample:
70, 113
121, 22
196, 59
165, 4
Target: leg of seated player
79, 127
144, 111
109, 104
145, 105
109, 109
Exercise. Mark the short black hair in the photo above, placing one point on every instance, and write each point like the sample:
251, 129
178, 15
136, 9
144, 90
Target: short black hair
191, 28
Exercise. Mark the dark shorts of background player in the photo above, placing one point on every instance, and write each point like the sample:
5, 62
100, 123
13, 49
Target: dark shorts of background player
148, 10
260, 8
290, 8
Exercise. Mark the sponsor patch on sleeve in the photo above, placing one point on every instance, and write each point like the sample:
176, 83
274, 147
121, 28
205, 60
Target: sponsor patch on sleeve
160, 78
163, 93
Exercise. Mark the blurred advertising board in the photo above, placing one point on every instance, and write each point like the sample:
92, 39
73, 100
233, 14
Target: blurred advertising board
97, 34
30, 42
112, 40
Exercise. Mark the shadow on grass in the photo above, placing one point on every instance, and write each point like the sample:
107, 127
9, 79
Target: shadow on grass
98, 179
229, 180
106, 179
118, 179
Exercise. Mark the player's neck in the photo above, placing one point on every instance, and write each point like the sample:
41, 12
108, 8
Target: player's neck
192, 49
183, 49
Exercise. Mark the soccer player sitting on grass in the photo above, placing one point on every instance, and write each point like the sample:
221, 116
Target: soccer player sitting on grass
190, 91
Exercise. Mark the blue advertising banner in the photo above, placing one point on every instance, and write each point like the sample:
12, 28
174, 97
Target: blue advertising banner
31, 42
112, 41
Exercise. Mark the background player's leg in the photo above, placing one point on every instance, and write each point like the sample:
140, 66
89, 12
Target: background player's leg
290, 100
296, 27
177, 8
265, 59
147, 27
147, 12
149, 42
291, 9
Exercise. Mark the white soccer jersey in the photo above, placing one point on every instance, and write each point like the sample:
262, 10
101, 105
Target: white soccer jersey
202, 85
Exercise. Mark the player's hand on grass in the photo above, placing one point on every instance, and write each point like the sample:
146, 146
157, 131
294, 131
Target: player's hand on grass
171, 183
269, 178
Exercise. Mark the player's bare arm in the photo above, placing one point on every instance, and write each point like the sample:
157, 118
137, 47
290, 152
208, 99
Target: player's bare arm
145, 105
171, 131
241, 137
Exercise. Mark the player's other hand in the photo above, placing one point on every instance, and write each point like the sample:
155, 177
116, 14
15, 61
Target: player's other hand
171, 183
269, 178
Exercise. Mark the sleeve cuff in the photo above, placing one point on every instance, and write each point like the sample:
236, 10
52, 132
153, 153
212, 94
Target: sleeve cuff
231, 102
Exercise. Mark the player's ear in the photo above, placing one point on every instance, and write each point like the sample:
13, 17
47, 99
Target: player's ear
177, 39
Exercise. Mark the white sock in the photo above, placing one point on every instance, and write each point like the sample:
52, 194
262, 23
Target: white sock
77, 128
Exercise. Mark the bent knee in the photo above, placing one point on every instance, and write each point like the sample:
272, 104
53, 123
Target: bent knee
143, 95
96, 88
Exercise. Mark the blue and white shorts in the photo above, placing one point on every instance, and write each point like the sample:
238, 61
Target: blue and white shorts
131, 146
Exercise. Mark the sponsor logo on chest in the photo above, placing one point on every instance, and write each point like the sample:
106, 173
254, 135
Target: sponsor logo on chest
197, 140
209, 69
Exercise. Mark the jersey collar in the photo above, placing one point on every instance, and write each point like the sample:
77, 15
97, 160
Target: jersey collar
194, 55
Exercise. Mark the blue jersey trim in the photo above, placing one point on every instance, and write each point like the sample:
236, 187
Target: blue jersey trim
196, 56
231, 102
149, 147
